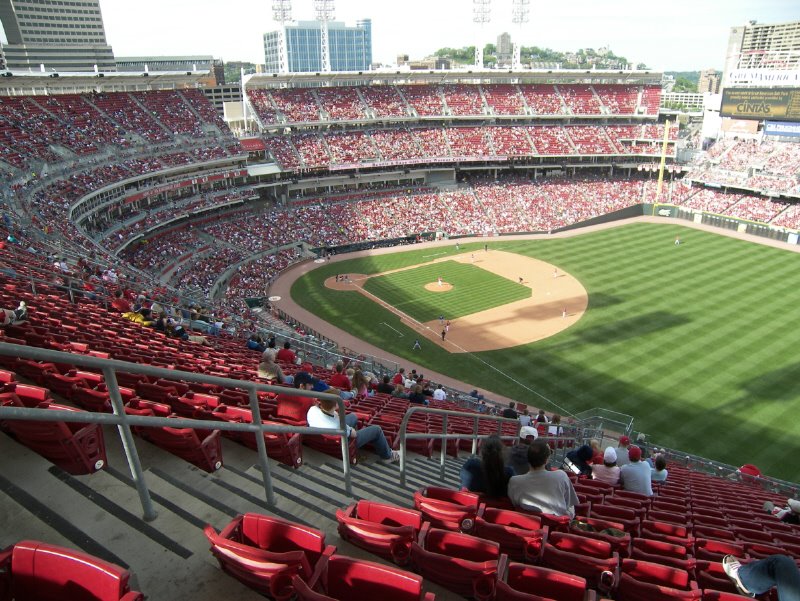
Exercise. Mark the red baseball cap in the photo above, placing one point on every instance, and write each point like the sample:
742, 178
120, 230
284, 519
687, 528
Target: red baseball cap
634, 453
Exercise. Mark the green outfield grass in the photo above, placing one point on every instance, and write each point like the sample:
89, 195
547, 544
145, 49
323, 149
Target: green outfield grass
474, 290
698, 342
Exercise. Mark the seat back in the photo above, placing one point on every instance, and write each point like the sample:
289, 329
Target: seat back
45, 572
347, 578
385, 530
293, 408
526, 583
277, 535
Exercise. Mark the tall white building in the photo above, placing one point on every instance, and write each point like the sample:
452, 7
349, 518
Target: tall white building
62, 35
760, 46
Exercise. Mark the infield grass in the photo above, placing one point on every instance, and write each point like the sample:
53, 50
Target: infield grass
474, 289
698, 342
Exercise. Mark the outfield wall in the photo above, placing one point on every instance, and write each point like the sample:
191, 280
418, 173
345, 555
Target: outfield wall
743, 226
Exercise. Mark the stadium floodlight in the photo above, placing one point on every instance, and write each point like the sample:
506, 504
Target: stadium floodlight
520, 14
282, 13
325, 12
481, 14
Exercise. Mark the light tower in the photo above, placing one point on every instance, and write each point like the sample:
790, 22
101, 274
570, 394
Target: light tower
520, 11
481, 13
282, 13
325, 13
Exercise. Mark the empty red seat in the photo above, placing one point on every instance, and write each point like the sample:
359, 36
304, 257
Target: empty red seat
199, 447
591, 559
604, 530
284, 447
92, 400
385, 530
715, 550
30, 395
520, 582
74, 447
37, 571
645, 581
520, 535
156, 392
464, 564
265, 552
447, 508
340, 578
710, 595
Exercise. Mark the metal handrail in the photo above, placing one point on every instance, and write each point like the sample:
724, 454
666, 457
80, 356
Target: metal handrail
444, 436
119, 418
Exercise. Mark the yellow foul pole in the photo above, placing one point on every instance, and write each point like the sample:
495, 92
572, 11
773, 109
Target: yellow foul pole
663, 163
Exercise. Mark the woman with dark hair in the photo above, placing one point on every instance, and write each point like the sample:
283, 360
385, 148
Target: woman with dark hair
488, 473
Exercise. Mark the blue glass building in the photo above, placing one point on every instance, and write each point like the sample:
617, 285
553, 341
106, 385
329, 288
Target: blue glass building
350, 47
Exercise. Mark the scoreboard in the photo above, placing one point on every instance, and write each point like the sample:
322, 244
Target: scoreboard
761, 103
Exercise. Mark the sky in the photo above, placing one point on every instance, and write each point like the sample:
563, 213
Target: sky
682, 35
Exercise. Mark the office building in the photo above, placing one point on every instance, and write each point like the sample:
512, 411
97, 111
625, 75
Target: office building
61, 35
350, 47
505, 49
709, 82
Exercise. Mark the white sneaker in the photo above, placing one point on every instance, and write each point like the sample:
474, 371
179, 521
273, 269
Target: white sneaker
393, 458
731, 566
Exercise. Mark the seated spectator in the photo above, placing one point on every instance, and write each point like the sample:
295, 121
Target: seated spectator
360, 384
476, 395
286, 354
758, 577
659, 471
417, 396
176, 330
339, 379
509, 411
13, 316
303, 379
120, 303
141, 317
597, 451
518, 456
577, 461
636, 476
607, 471
399, 392
270, 370
789, 514
385, 387
541, 417
399, 377
439, 394
541, 490
524, 418
324, 415
255, 343
488, 473
555, 429
622, 451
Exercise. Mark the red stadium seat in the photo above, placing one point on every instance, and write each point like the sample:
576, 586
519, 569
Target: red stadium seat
340, 578
591, 559
264, 552
520, 582
385, 530
36, 571
461, 563
74, 447
447, 508
644, 581
520, 535
283, 447
202, 448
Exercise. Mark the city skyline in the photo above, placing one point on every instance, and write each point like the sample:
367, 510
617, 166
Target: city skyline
690, 36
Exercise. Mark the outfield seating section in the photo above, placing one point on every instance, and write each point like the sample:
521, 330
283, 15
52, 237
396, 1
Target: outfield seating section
461, 100
37, 571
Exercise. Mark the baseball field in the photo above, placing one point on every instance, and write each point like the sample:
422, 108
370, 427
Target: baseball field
697, 341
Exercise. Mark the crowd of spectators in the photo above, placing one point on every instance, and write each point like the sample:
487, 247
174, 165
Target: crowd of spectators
315, 150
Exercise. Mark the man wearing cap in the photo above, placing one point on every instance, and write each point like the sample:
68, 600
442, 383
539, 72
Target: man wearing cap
311, 383
541, 490
637, 475
622, 451
324, 415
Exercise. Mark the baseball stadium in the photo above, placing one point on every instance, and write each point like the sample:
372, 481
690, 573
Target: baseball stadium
202, 303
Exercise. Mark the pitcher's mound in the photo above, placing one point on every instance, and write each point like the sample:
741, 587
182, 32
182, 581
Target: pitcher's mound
435, 287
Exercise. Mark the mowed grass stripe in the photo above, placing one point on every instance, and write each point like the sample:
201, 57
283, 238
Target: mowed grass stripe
474, 290
697, 342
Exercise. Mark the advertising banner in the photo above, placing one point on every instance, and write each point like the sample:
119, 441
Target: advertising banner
739, 126
782, 128
761, 103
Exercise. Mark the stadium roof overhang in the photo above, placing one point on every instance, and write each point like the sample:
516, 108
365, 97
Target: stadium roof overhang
14, 83
594, 76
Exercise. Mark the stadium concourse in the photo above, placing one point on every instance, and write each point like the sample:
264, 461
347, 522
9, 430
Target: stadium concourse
116, 200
